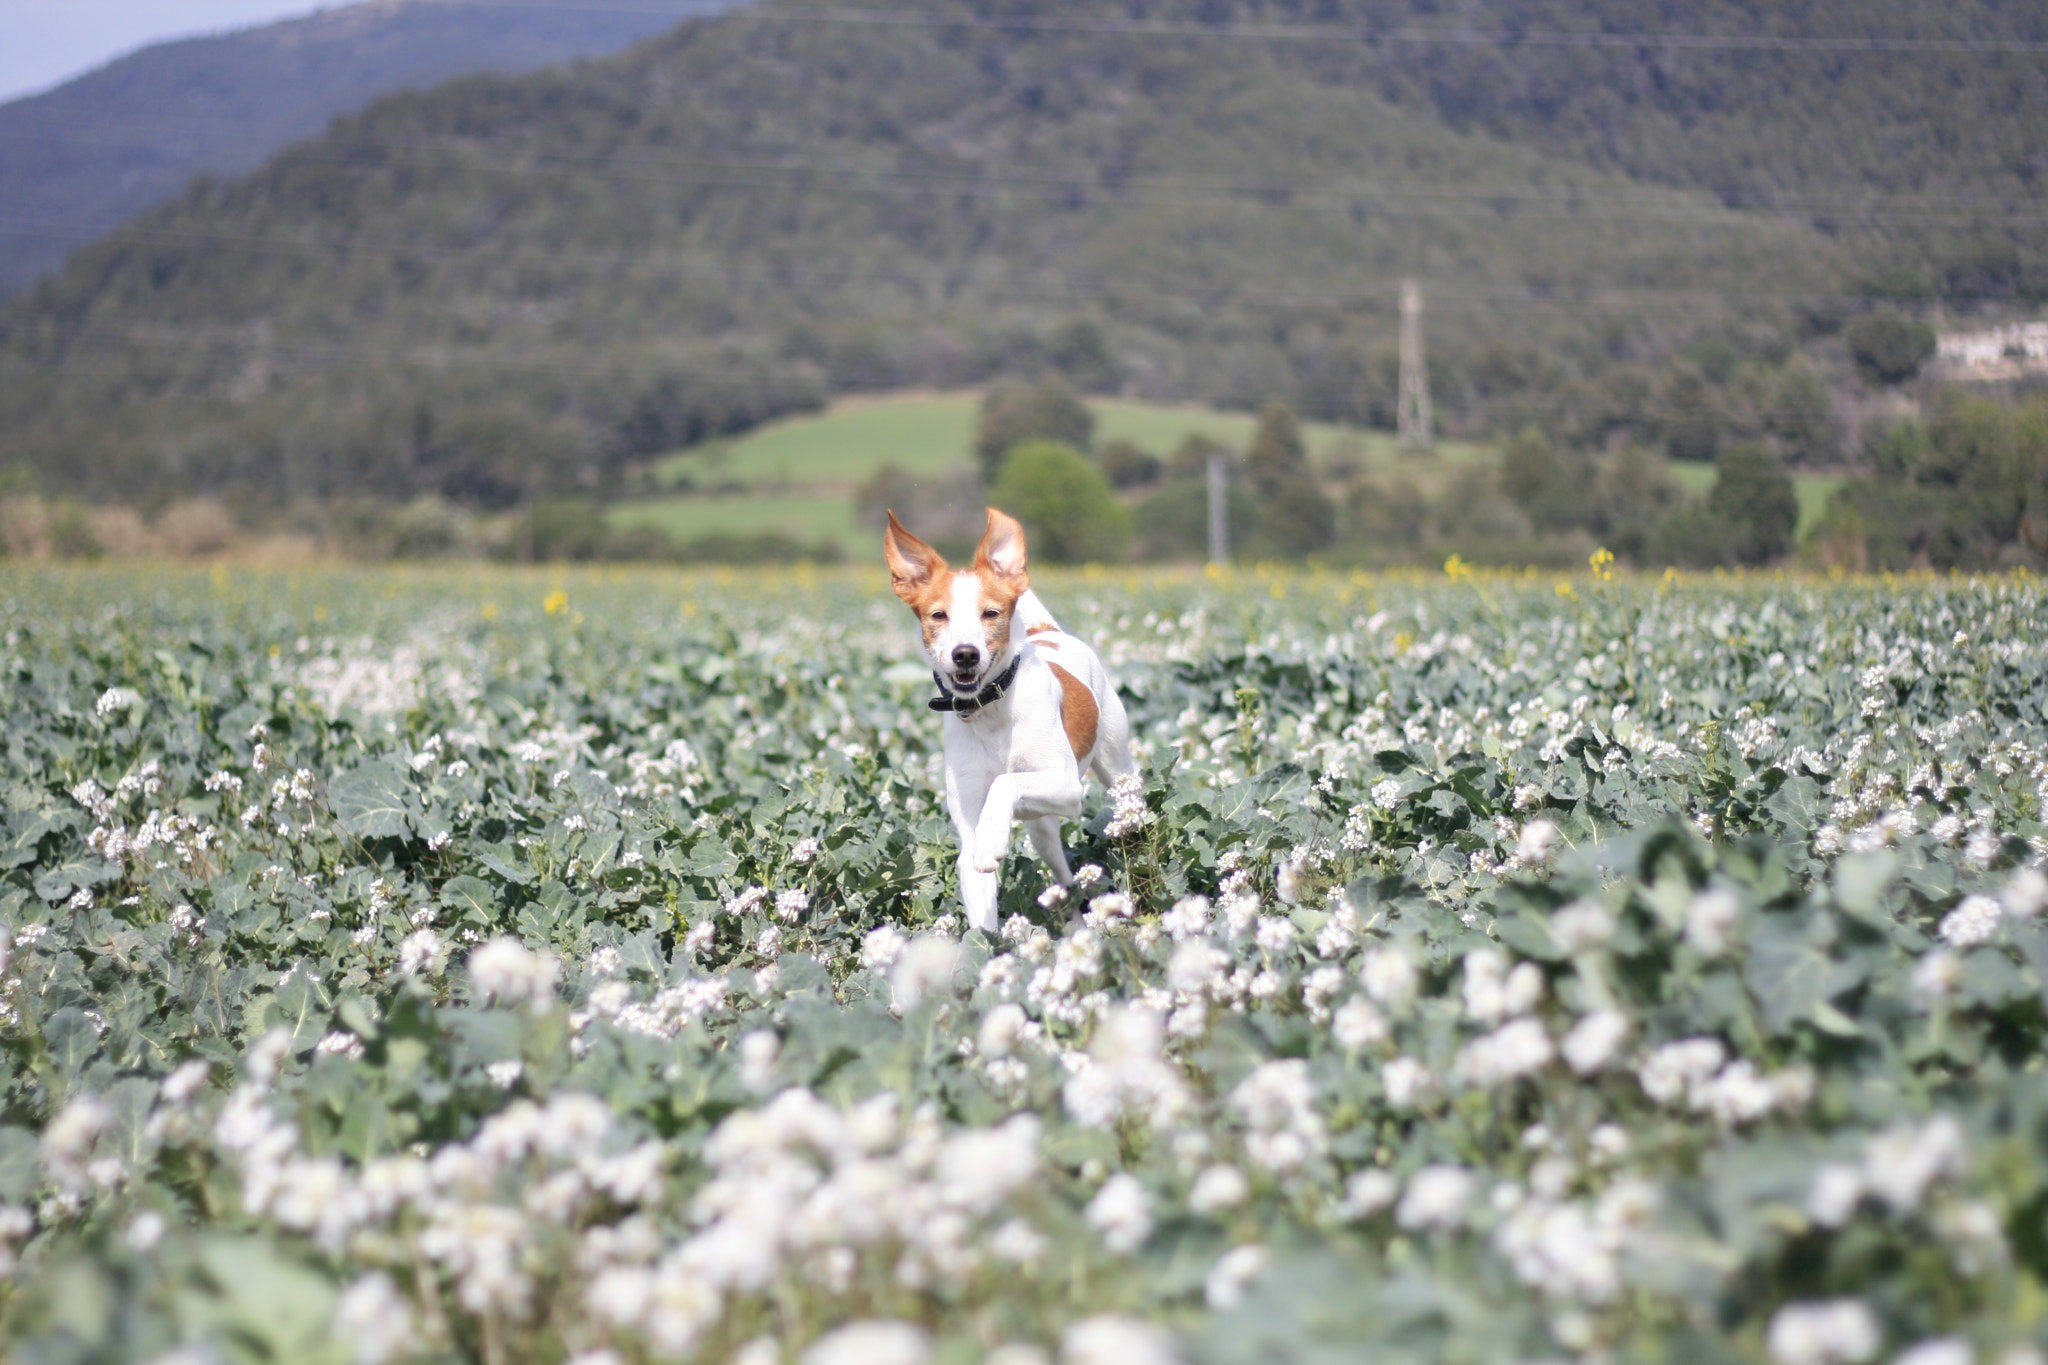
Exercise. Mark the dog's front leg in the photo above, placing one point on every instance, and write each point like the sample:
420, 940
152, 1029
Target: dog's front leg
978, 889
1029, 794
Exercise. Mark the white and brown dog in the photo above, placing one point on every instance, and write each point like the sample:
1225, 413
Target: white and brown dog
1029, 708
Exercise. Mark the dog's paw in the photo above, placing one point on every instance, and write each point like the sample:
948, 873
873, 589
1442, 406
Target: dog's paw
989, 852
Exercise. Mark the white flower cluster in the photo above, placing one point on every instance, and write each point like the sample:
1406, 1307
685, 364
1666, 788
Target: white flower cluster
1575, 1250
1124, 1074
507, 972
1283, 1131
1128, 813
1697, 1073
672, 773
1828, 1332
1898, 1167
801, 1188
671, 1009
163, 839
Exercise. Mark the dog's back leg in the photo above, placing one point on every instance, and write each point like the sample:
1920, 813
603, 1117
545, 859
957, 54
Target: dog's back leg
1112, 757
1045, 838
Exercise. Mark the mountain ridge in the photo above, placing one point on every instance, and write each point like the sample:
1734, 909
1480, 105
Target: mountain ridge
512, 282
82, 157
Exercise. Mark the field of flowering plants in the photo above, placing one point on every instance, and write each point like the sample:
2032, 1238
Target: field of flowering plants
528, 968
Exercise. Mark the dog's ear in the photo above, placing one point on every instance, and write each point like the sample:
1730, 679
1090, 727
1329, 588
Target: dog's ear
1001, 551
912, 563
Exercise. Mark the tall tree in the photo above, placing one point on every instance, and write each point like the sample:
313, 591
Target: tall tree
1013, 413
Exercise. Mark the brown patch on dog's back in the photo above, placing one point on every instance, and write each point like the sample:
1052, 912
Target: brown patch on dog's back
1078, 712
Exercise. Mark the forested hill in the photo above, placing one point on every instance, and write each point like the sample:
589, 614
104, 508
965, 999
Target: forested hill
509, 283
95, 151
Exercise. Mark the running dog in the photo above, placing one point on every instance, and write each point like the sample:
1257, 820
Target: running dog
1027, 707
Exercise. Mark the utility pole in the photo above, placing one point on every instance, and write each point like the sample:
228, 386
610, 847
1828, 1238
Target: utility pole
1412, 421
1219, 548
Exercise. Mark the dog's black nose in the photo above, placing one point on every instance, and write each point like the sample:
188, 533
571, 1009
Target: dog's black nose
965, 656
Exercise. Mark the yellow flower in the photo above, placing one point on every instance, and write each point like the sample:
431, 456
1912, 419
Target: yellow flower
1565, 589
1456, 568
555, 603
1602, 561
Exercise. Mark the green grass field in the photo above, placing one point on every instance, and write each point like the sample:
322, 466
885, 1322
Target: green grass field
800, 473
927, 433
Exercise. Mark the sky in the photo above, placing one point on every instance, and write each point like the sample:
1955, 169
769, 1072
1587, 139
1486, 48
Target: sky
47, 42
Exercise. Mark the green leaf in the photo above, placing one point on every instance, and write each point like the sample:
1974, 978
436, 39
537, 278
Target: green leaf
1789, 971
373, 802
518, 876
71, 1040
1861, 881
20, 1166
275, 1300
297, 1009
1828, 1019
467, 895
1528, 936
1990, 979
57, 883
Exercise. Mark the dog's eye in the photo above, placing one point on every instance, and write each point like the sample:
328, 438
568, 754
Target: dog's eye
990, 615
938, 616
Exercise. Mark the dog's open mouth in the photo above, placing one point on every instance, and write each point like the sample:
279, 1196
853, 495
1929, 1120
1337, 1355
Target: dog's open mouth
965, 679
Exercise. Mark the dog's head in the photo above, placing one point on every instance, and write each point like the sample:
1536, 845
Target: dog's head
964, 613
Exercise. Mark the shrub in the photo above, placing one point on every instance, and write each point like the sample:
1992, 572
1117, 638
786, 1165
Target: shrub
1014, 413
1632, 492
562, 528
1190, 459
1754, 498
1692, 538
1388, 519
1174, 522
1127, 466
1888, 348
1293, 523
1296, 518
71, 534
1081, 353
1690, 416
1277, 456
1802, 416
1067, 507
195, 526
1550, 486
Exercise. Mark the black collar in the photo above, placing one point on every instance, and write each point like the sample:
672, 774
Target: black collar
967, 706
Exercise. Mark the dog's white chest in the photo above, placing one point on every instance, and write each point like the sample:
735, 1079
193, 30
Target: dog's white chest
1021, 734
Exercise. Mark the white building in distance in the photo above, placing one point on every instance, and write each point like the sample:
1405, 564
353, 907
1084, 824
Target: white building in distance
1995, 351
